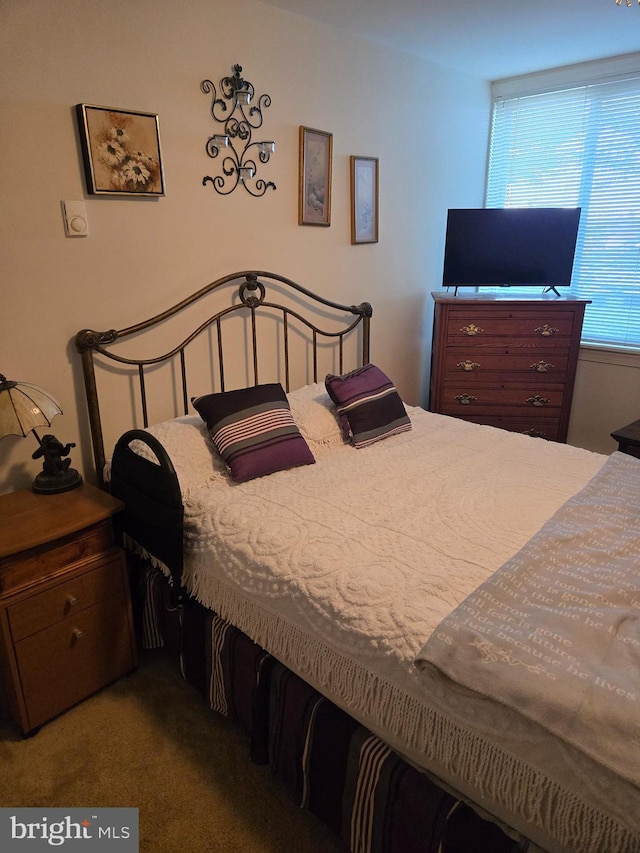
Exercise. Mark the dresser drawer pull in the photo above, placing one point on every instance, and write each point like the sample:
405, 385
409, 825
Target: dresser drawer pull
468, 365
77, 634
465, 399
542, 367
546, 331
538, 400
471, 329
534, 433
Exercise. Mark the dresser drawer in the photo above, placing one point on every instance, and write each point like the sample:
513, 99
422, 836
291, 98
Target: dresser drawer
68, 661
512, 400
516, 324
536, 427
509, 362
46, 608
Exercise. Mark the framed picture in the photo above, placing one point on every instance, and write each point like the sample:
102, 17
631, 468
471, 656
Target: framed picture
314, 199
121, 151
364, 200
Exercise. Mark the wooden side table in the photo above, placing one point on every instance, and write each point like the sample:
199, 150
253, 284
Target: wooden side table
66, 627
628, 439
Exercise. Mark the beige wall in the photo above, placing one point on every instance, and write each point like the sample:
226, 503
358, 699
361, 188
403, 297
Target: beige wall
427, 125
606, 397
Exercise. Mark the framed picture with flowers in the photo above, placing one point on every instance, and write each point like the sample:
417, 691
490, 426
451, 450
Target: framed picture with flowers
120, 151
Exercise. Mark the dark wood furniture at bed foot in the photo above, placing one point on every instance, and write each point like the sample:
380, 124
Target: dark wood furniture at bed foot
508, 362
65, 617
628, 438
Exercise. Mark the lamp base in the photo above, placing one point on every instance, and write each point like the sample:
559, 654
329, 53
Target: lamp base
53, 484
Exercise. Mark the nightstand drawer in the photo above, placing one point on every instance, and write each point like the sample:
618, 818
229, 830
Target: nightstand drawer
38, 563
67, 662
46, 608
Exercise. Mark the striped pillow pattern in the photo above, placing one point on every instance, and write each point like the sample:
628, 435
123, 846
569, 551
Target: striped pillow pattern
368, 405
254, 431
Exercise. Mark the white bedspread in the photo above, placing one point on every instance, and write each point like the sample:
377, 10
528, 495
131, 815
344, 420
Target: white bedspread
365, 547
342, 570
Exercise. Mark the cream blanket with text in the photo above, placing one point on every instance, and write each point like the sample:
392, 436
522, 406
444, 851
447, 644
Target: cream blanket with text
555, 633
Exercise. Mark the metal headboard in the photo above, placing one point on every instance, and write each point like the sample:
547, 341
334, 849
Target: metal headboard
252, 296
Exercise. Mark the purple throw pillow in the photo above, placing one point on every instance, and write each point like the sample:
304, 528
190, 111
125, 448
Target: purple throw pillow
254, 431
368, 405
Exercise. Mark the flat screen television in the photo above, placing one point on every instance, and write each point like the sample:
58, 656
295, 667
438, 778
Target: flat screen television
510, 247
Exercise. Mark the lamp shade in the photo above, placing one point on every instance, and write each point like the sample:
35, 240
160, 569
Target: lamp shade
23, 407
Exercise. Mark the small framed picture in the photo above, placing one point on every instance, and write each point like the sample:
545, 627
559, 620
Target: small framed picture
364, 199
314, 197
120, 151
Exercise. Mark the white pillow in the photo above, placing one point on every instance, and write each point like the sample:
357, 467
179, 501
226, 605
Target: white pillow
187, 442
316, 417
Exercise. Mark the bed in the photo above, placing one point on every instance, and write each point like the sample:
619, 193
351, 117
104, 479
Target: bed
429, 628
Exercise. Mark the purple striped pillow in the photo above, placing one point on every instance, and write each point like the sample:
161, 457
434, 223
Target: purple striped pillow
368, 405
254, 431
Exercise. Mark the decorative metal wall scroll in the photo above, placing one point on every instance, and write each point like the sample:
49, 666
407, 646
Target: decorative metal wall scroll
232, 108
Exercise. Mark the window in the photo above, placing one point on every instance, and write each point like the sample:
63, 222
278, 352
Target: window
561, 143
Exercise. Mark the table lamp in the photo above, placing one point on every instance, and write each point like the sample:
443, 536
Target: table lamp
23, 407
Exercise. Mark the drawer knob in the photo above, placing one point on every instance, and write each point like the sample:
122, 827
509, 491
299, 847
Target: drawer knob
542, 367
546, 331
468, 365
77, 634
71, 600
466, 399
537, 400
471, 329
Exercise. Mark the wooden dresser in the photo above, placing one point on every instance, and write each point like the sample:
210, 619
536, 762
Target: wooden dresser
66, 628
506, 361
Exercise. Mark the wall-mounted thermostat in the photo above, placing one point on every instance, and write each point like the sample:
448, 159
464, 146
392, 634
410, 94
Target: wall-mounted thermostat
74, 214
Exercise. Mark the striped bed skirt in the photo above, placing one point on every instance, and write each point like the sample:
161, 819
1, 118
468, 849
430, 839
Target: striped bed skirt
368, 795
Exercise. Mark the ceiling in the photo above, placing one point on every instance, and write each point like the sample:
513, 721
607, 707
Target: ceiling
486, 38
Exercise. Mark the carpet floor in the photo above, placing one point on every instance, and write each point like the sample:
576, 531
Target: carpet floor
150, 742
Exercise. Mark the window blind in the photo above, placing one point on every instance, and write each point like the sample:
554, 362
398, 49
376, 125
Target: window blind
580, 147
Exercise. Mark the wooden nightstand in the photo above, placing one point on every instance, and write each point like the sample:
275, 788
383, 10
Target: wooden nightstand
66, 628
628, 439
